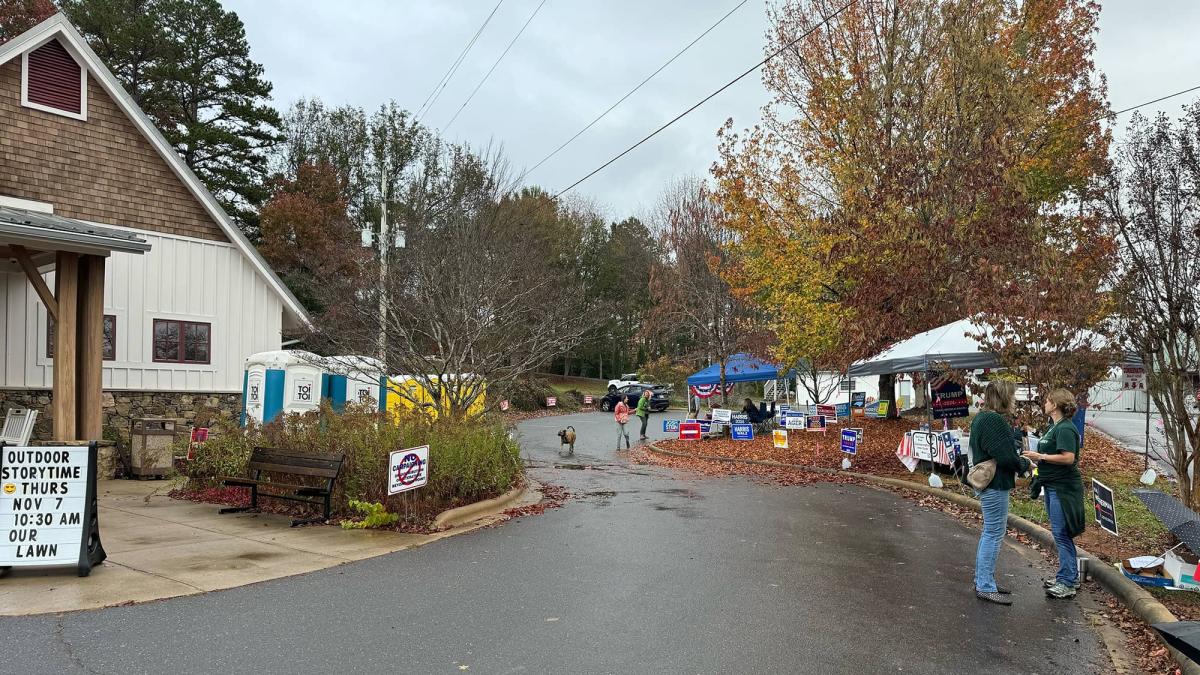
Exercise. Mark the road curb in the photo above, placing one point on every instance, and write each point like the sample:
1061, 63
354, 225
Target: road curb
1136, 598
464, 514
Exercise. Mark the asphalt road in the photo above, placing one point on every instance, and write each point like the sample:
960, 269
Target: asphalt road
1129, 429
646, 571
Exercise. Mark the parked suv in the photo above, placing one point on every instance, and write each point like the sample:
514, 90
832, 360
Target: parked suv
660, 397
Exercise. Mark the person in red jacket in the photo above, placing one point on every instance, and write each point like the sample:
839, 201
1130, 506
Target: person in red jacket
621, 415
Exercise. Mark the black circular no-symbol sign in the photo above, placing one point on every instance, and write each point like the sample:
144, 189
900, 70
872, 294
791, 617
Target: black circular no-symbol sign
409, 469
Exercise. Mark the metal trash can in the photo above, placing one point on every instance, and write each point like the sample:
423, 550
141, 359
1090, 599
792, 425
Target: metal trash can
151, 452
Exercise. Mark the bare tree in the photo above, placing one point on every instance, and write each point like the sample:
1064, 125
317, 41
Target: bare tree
1154, 205
692, 299
486, 291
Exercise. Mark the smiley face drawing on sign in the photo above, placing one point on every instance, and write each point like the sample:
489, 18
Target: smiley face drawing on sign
9, 488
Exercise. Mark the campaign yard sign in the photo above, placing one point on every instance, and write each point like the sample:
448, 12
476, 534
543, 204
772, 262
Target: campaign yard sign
741, 418
1106, 510
689, 431
48, 507
949, 399
743, 432
784, 408
408, 469
587, 399
781, 438
850, 441
551, 401
794, 420
858, 404
670, 426
842, 409
722, 415
815, 423
827, 411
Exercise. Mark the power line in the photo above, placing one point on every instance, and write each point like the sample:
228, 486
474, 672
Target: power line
1157, 100
706, 99
493, 68
438, 88
631, 92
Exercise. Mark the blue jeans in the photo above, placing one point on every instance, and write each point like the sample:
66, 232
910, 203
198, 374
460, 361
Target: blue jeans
1068, 561
995, 521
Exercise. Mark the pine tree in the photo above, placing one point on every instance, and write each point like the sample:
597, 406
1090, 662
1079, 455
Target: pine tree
187, 64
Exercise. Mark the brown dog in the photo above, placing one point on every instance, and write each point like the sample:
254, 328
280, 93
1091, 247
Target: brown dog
567, 437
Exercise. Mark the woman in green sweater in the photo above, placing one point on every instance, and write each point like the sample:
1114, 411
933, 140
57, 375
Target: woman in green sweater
994, 437
1058, 474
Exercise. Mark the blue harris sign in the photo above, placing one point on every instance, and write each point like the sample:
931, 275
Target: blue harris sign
743, 432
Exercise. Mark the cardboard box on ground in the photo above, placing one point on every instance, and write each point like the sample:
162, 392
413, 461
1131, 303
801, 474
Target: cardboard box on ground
1180, 565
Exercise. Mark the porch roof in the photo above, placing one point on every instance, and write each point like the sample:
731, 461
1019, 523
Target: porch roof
48, 232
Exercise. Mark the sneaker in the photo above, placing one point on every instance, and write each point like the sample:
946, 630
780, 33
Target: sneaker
997, 598
1060, 591
1049, 583
1002, 590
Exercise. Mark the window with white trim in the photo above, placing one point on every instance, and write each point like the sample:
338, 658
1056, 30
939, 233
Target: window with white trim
847, 384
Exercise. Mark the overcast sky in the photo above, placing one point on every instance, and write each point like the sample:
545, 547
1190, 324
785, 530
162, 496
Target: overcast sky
577, 58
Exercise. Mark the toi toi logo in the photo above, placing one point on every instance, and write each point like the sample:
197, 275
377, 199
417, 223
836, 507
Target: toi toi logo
9, 488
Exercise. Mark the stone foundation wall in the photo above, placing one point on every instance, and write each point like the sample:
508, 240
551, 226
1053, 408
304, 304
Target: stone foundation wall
120, 408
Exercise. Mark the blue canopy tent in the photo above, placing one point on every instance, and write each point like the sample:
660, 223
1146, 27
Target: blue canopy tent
738, 368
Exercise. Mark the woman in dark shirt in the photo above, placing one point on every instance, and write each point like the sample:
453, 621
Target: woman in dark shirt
1058, 474
994, 437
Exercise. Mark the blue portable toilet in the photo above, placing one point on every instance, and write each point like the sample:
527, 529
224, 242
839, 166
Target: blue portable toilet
282, 381
356, 379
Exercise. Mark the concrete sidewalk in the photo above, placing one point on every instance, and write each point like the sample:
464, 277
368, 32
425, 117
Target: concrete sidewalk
160, 547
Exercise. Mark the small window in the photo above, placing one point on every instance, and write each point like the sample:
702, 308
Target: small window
109, 339
54, 81
182, 341
848, 385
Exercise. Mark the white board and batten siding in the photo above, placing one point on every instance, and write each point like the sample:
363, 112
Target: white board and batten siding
179, 278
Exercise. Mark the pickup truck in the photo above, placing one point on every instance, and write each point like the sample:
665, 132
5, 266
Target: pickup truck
624, 381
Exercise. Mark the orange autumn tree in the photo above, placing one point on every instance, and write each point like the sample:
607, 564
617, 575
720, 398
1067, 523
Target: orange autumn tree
915, 156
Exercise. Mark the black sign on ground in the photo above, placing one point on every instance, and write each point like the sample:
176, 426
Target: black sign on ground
1106, 510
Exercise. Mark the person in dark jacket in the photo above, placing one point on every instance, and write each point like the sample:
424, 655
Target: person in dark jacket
1057, 458
993, 436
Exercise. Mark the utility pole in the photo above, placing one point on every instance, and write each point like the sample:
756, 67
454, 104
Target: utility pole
385, 246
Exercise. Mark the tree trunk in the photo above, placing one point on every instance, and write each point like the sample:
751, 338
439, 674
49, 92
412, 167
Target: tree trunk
724, 394
887, 392
601, 364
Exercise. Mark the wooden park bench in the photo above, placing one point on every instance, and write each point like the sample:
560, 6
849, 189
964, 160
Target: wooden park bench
270, 460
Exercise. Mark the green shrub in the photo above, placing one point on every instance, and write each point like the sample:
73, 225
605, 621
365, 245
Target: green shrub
374, 516
225, 453
468, 460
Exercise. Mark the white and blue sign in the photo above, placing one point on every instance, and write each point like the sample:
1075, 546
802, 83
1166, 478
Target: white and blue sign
670, 426
743, 432
843, 409
783, 408
794, 420
705, 425
850, 441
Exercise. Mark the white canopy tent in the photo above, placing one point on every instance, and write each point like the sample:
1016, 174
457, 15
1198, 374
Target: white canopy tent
950, 344
953, 344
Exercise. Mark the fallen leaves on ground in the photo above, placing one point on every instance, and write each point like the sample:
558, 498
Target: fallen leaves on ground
553, 497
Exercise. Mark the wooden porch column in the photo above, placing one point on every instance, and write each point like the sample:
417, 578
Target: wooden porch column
89, 359
66, 292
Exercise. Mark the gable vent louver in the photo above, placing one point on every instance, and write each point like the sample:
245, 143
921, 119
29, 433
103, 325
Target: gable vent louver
55, 80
